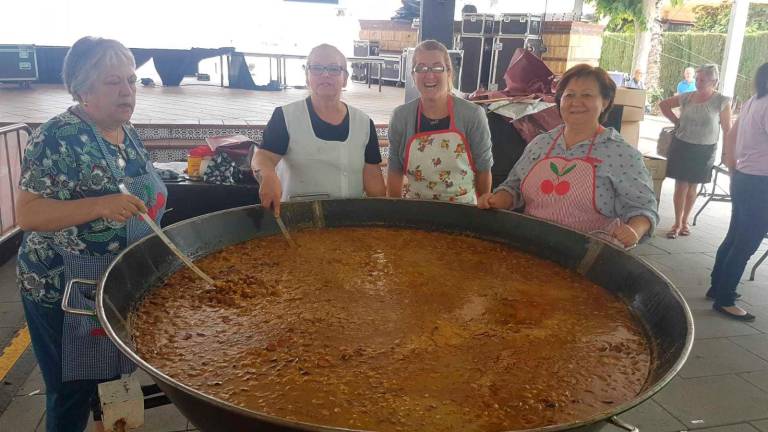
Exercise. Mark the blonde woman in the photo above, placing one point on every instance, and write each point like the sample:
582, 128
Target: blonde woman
440, 142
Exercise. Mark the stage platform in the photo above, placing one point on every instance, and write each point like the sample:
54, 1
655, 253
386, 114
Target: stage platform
192, 105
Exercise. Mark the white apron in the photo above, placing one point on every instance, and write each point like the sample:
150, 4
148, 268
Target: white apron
315, 169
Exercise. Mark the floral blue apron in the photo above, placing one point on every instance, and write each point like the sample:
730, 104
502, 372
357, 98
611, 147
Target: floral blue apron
87, 352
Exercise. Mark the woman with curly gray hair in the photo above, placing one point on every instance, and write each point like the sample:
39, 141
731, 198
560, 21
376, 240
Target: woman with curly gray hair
76, 221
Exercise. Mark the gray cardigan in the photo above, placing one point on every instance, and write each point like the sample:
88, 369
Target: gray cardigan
470, 119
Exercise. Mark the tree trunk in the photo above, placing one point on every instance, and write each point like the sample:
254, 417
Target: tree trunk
643, 36
653, 74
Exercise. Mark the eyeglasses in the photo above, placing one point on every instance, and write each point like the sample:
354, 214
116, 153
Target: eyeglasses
331, 70
424, 69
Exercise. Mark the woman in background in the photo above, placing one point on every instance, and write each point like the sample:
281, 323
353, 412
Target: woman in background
692, 152
746, 155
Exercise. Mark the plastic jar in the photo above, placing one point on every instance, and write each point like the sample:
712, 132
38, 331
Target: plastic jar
197, 160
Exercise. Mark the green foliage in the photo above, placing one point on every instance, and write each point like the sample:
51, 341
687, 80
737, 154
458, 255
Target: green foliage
621, 24
623, 12
619, 9
687, 49
680, 50
753, 54
714, 19
616, 54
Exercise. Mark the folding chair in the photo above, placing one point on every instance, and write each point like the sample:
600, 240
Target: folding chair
717, 193
757, 264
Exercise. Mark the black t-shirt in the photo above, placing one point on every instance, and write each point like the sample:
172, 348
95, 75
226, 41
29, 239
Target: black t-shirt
428, 124
275, 138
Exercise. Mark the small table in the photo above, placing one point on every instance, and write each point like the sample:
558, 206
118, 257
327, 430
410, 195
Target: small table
188, 199
369, 61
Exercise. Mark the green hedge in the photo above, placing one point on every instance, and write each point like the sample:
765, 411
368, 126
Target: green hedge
680, 50
616, 54
688, 49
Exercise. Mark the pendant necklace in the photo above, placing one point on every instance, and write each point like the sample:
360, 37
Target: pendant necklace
121, 157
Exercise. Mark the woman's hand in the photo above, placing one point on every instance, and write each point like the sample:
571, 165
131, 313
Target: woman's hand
270, 191
499, 200
626, 235
119, 207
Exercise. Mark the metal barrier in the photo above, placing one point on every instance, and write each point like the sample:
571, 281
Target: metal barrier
13, 140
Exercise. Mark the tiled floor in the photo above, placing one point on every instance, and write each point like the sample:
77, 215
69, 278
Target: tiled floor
192, 104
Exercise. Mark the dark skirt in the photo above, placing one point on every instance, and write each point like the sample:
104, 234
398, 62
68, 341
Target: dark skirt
691, 163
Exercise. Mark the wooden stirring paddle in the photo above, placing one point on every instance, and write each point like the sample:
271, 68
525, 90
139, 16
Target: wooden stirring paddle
182, 256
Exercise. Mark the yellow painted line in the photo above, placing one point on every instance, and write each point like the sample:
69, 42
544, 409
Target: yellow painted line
12, 352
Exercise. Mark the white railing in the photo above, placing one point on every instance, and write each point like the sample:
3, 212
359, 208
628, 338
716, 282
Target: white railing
13, 140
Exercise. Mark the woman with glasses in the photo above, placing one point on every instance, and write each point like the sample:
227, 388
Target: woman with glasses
439, 142
692, 153
319, 147
76, 221
582, 175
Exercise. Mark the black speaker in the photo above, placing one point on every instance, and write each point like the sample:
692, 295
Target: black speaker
390, 70
477, 24
436, 20
365, 48
519, 24
476, 63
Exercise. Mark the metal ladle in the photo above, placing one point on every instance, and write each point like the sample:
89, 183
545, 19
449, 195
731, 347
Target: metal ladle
284, 230
182, 256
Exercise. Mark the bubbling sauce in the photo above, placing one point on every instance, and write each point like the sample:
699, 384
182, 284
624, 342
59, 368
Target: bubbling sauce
395, 330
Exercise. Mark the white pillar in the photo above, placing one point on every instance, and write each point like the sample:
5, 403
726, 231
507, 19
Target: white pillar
736, 28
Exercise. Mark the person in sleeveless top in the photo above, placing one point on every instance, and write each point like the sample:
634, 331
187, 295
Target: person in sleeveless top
319, 147
439, 142
76, 221
746, 156
692, 151
582, 175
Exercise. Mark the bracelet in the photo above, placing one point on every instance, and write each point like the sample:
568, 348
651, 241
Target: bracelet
637, 236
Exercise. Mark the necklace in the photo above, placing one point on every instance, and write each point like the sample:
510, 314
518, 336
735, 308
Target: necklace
121, 157
121, 153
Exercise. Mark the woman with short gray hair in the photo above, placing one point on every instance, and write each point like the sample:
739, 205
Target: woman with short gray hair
692, 152
76, 221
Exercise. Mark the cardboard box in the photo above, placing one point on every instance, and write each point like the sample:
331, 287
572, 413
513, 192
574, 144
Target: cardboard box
632, 114
657, 167
631, 132
630, 97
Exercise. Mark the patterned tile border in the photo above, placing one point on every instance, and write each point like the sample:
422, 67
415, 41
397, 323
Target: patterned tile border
176, 132
149, 133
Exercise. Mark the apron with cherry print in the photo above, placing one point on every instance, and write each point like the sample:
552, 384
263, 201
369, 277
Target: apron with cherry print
562, 190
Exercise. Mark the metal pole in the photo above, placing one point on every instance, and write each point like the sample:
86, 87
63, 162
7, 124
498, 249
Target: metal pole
736, 29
